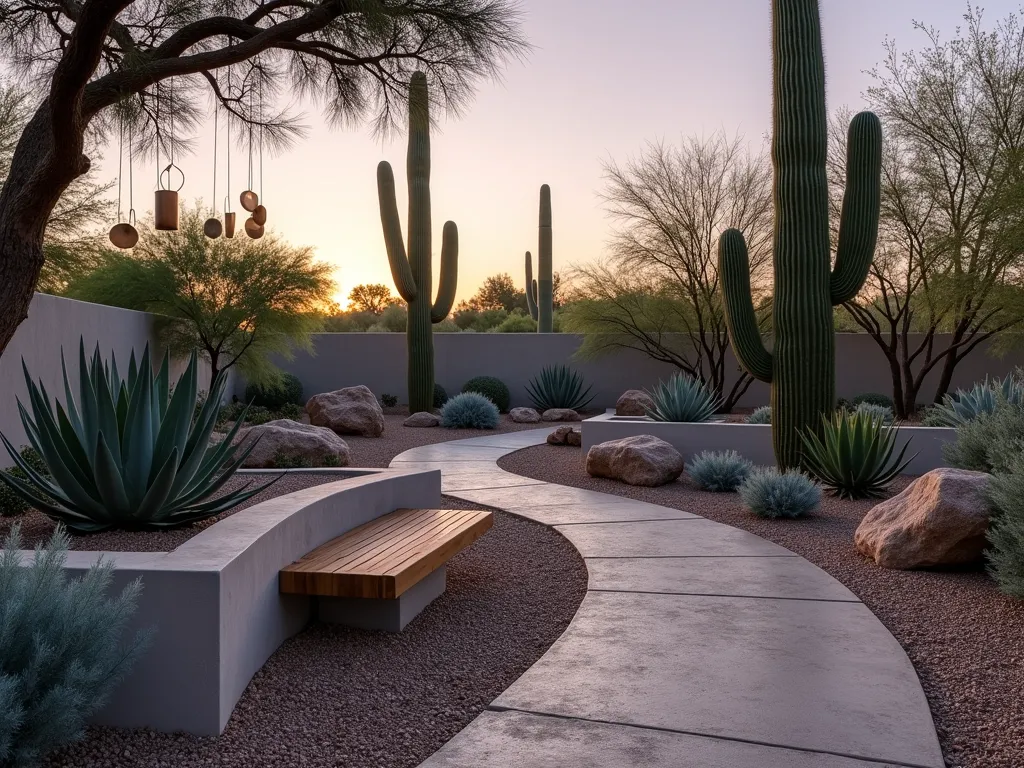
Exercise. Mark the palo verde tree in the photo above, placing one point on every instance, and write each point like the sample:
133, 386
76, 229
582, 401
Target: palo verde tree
160, 60
947, 273
237, 301
659, 290
371, 297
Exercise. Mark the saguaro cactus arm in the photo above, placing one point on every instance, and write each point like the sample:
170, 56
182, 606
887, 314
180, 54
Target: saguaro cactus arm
531, 287
401, 272
734, 269
448, 280
858, 228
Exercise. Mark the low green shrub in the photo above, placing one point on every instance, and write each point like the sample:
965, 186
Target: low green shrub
284, 460
11, 504
388, 401
682, 398
772, 494
62, 651
762, 415
718, 471
470, 410
290, 411
876, 412
989, 443
874, 398
516, 324
272, 397
440, 396
491, 388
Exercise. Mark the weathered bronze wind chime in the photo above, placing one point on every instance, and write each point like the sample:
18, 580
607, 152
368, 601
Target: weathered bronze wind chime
165, 206
123, 234
249, 200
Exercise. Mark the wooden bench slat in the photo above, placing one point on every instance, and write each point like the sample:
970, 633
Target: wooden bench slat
387, 556
374, 561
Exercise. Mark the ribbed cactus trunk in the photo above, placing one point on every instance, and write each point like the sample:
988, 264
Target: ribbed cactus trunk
801, 366
545, 278
411, 269
531, 287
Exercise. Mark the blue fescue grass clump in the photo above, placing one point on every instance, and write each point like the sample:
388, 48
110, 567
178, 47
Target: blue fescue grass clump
61, 653
773, 494
470, 410
762, 415
720, 471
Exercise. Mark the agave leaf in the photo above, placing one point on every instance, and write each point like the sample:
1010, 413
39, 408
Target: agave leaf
153, 509
177, 420
69, 517
69, 397
162, 390
133, 372
106, 413
37, 480
225, 459
90, 408
225, 502
122, 411
72, 442
109, 483
138, 437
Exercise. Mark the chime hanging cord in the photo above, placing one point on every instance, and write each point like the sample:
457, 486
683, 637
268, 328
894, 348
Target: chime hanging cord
215, 160
250, 139
120, 160
261, 141
131, 194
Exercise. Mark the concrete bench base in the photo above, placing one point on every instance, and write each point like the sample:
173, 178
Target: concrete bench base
389, 615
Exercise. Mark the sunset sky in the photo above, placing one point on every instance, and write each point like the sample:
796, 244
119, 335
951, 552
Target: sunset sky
604, 77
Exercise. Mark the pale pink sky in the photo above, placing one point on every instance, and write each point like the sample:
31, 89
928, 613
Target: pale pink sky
599, 83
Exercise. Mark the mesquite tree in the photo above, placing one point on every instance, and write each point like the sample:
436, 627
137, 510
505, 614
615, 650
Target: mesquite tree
154, 65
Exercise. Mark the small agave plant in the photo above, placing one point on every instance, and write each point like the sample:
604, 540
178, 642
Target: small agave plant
682, 398
127, 454
968, 405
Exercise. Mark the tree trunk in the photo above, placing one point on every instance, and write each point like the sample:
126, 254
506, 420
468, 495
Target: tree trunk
33, 187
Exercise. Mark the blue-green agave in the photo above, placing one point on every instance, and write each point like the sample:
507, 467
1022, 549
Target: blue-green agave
682, 398
854, 455
968, 405
127, 454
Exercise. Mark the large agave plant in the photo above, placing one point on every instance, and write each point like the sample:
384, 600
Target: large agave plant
558, 386
127, 454
682, 398
968, 405
854, 455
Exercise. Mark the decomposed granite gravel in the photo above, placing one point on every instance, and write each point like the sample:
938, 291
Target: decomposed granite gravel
333, 697
965, 639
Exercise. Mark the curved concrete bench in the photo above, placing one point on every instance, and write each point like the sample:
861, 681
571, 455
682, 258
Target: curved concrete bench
697, 645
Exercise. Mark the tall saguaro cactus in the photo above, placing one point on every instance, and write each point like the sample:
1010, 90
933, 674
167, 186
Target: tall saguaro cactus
412, 271
540, 292
801, 365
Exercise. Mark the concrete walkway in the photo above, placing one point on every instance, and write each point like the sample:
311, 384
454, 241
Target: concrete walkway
698, 645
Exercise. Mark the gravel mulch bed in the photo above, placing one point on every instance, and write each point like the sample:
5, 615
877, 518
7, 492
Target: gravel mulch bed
965, 639
37, 528
333, 697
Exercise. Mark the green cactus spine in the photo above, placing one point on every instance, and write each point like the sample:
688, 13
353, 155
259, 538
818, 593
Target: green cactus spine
412, 271
801, 365
531, 287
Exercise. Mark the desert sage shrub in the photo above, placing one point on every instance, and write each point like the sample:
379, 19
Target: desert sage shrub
990, 442
762, 415
388, 401
61, 653
721, 471
874, 398
880, 413
440, 396
492, 388
773, 494
1006, 529
470, 410
11, 504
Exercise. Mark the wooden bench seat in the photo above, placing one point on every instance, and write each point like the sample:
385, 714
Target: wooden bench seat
385, 558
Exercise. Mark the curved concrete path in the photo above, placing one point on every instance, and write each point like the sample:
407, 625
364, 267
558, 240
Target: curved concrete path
698, 645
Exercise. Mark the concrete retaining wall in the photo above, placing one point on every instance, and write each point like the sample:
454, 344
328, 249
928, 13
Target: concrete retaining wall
54, 323
378, 360
215, 604
752, 441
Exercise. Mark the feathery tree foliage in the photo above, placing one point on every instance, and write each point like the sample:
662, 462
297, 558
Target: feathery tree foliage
238, 301
155, 66
659, 290
68, 243
950, 252
371, 297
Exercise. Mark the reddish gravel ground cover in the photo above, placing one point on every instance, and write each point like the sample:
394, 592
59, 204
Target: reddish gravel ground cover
333, 697
964, 637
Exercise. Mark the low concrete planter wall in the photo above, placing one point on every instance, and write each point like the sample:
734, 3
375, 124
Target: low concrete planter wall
753, 441
215, 604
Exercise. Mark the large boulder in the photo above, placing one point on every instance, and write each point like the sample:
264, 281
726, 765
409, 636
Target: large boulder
348, 411
524, 415
295, 441
637, 460
560, 414
939, 519
633, 402
422, 419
